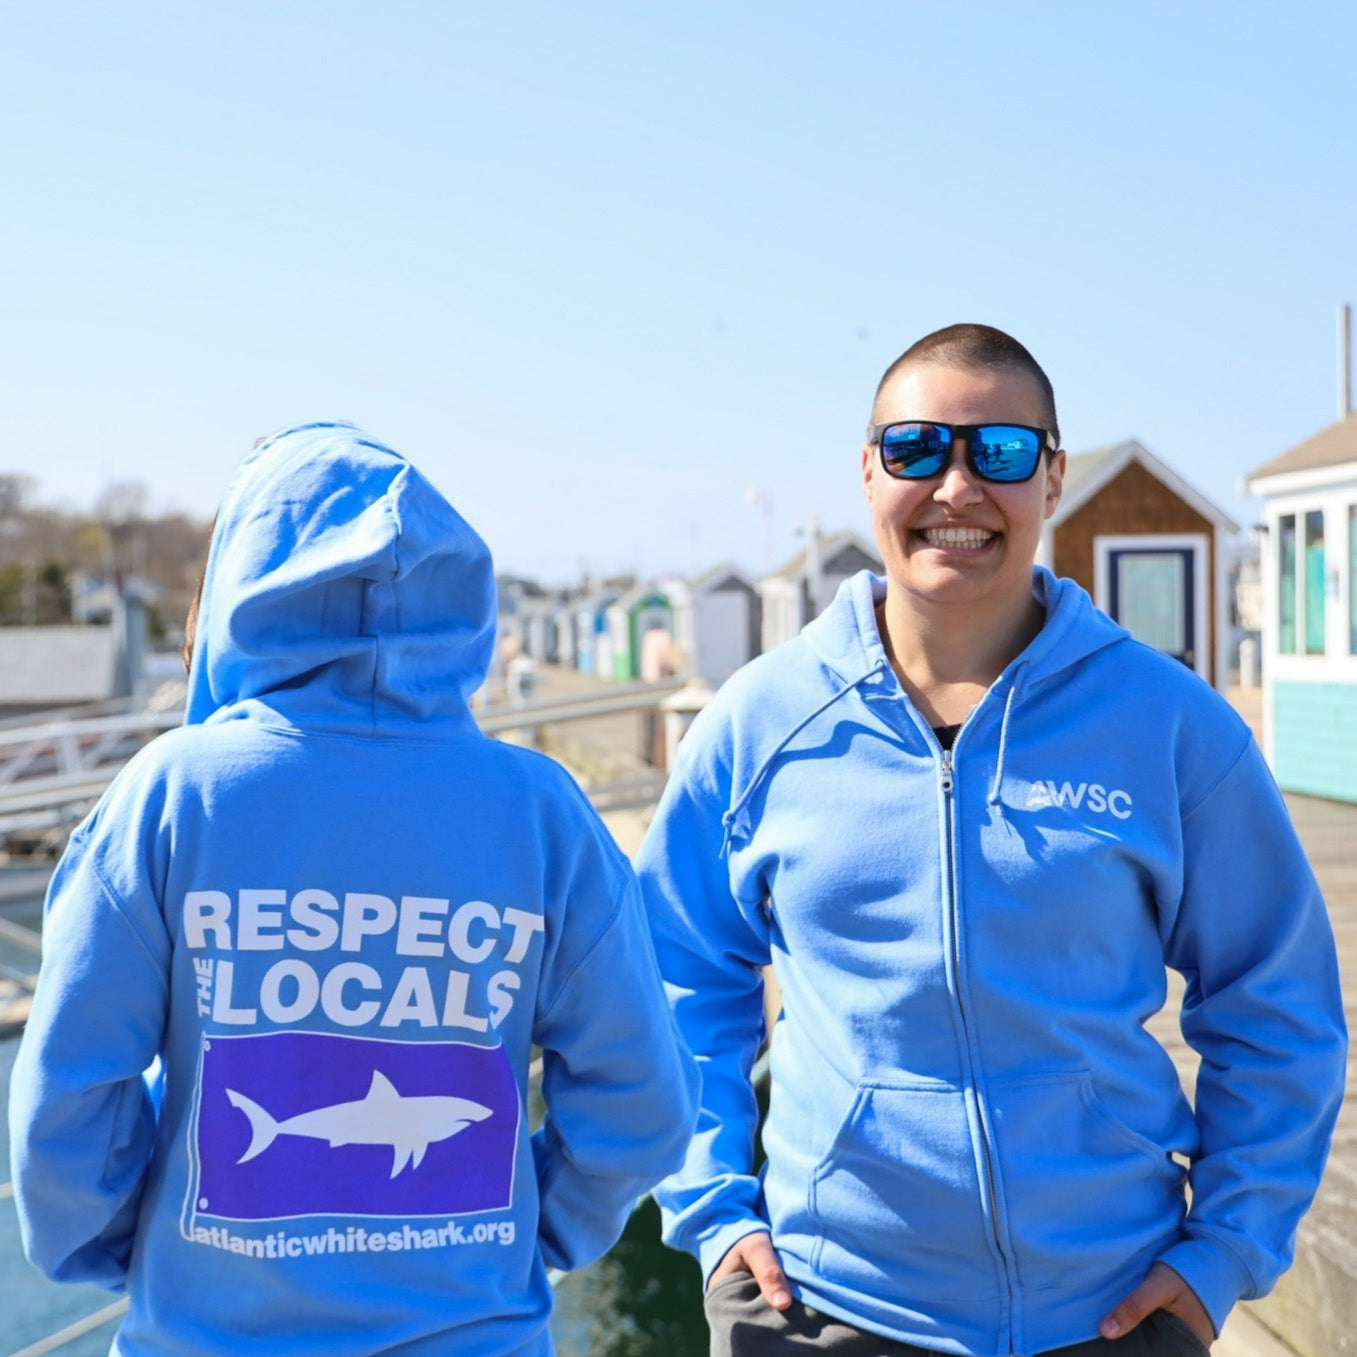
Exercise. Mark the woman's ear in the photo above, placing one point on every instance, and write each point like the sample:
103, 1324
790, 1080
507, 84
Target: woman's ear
1055, 481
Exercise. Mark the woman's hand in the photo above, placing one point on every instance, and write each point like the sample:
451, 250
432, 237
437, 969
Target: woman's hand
1162, 1289
754, 1254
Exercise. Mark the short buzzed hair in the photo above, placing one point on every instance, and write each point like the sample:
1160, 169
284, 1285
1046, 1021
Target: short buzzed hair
977, 346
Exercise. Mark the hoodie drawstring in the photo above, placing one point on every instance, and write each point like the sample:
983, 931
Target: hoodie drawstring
1003, 739
734, 820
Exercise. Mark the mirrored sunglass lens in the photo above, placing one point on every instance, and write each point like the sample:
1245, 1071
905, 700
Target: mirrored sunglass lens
1003, 452
915, 450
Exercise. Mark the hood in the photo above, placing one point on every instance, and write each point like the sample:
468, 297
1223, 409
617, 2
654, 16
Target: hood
845, 636
342, 592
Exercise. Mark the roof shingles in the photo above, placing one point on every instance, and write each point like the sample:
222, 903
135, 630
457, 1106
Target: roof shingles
1330, 447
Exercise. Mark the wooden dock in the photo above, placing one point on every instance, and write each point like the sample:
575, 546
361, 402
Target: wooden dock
1314, 1309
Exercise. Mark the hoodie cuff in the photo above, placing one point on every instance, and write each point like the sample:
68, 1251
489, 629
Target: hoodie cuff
1214, 1272
720, 1242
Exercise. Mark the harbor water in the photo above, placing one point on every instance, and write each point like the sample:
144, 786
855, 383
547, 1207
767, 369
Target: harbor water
34, 1307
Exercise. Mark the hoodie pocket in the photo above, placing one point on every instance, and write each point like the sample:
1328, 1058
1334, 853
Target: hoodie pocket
1083, 1192
897, 1198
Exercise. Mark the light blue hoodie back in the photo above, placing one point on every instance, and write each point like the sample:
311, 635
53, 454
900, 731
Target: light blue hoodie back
341, 918
973, 1144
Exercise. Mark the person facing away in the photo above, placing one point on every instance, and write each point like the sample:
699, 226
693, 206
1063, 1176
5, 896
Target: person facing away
969, 821
340, 918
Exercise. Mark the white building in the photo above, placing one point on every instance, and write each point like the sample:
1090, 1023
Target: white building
1310, 612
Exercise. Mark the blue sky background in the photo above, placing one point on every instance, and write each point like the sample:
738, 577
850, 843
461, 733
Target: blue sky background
600, 268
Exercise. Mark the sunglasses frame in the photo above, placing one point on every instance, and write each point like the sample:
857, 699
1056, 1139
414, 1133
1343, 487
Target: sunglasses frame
1048, 445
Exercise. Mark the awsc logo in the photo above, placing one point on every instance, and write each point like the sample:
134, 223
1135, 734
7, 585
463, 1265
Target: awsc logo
1089, 795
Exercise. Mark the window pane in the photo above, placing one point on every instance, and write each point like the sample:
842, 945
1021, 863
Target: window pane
1352, 578
1150, 596
1314, 583
1286, 584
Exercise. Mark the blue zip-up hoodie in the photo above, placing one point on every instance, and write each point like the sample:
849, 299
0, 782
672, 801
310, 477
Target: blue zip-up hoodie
341, 918
973, 1144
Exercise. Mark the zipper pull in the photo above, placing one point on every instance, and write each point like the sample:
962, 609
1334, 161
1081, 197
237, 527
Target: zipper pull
947, 771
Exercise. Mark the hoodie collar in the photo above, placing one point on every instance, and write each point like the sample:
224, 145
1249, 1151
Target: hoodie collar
847, 640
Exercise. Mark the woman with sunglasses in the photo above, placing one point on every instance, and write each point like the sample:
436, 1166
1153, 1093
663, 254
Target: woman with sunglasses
969, 821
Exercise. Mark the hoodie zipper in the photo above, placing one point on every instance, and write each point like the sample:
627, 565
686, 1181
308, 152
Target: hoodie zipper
948, 784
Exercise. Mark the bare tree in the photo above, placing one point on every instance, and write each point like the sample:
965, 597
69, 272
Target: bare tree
121, 508
16, 490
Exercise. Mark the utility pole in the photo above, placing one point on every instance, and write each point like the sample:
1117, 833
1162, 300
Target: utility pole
814, 566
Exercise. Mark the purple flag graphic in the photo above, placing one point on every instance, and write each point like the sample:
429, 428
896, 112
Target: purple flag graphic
306, 1124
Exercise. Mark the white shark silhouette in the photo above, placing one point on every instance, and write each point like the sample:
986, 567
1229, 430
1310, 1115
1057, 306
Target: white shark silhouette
383, 1117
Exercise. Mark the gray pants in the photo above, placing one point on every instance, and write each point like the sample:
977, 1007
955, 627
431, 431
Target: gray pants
743, 1325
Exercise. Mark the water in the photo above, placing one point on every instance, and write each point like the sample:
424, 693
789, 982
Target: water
642, 1300
35, 1307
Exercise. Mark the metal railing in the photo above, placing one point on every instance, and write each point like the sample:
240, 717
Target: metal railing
51, 772
76, 744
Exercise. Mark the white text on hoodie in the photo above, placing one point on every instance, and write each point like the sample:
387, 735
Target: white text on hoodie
351, 993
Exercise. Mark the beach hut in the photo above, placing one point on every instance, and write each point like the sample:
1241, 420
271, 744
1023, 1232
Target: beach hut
540, 623
719, 629
1310, 612
803, 587
515, 598
1154, 552
643, 608
562, 624
593, 644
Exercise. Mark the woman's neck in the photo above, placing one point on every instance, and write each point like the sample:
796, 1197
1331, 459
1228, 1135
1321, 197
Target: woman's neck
947, 658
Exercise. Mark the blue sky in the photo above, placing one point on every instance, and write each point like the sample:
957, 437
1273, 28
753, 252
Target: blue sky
600, 268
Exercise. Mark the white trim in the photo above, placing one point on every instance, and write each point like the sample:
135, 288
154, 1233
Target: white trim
830, 543
1338, 663
1115, 462
1331, 491
1307, 478
1221, 626
1267, 569
1347, 557
1315, 668
1204, 647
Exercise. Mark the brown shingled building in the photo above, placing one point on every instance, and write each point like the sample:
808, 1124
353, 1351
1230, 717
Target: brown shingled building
1151, 549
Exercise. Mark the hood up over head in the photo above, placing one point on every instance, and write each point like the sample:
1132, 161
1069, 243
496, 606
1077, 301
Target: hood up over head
342, 592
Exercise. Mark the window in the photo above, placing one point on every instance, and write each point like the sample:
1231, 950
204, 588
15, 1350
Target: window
1286, 584
1352, 578
1314, 582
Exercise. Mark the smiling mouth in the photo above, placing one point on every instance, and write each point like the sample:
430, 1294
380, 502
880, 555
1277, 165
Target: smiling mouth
957, 537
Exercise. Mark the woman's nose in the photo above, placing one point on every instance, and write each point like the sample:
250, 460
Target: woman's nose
959, 484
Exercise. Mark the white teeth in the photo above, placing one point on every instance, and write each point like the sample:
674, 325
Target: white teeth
955, 537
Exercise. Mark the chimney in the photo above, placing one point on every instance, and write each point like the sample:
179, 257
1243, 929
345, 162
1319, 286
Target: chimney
1344, 361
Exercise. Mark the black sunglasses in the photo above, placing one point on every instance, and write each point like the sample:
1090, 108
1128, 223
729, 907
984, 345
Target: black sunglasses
916, 449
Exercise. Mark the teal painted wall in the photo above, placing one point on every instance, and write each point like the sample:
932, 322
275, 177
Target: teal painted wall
1315, 738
